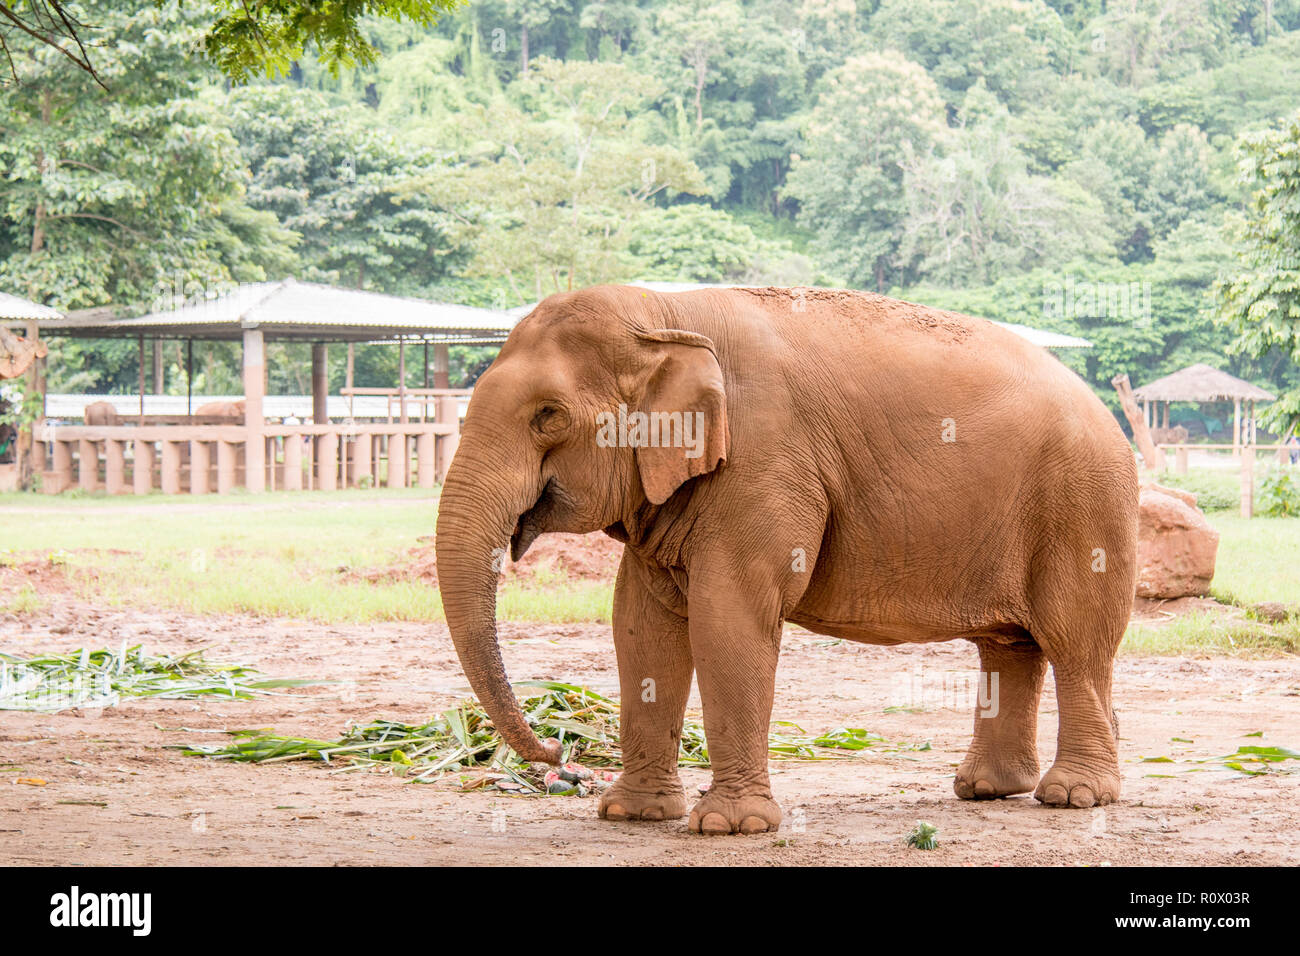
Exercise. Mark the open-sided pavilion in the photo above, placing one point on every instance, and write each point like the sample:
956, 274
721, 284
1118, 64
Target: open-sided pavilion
218, 453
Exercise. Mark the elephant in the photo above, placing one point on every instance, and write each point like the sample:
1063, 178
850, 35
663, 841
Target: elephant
232, 410
867, 468
101, 413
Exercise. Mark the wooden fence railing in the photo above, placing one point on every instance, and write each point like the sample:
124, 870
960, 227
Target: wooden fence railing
202, 459
1244, 453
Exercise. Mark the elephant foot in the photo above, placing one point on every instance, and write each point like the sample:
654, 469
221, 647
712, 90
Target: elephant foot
622, 802
717, 814
1070, 786
981, 778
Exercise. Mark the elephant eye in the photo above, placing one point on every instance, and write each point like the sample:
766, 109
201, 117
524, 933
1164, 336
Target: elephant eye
549, 416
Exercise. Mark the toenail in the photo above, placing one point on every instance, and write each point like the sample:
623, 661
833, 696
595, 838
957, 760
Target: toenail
714, 824
1055, 794
1082, 797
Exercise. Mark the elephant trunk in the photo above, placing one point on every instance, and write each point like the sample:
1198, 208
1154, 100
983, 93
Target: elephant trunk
474, 524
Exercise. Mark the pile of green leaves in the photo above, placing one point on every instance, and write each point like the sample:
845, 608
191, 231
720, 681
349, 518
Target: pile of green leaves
923, 836
86, 678
462, 739
1257, 761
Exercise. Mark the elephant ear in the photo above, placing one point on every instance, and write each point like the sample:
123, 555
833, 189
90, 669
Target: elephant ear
686, 406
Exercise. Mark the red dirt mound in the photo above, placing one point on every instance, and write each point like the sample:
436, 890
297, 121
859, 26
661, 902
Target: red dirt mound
583, 557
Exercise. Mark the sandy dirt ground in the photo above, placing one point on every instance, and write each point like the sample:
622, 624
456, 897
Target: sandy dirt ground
115, 794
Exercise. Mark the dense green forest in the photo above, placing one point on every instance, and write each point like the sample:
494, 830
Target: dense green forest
1098, 168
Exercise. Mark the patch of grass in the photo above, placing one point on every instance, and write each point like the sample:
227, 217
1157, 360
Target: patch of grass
281, 555
293, 554
566, 602
1258, 559
1211, 632
25, 600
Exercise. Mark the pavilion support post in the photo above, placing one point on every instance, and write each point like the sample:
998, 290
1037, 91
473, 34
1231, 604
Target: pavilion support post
189, 376
158, 383
140, 351
441, 366
1248, 482
1236, 428
320, 384
254, 420
350, 381
401, 381
142, 474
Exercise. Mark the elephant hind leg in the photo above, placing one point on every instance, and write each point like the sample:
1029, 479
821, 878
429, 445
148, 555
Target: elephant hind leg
1086, 770
1003, 756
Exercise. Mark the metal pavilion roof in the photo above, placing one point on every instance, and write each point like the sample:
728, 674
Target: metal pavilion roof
303, 311
14, 309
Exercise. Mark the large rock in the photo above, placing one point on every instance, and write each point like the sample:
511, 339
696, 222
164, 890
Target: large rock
1176, 545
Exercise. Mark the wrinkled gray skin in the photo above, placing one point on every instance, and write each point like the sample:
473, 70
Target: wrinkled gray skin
868, 468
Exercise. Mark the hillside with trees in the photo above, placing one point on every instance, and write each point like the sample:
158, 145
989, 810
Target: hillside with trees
1106, 169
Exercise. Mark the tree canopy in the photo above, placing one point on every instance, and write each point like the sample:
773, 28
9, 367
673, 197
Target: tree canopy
1096, 168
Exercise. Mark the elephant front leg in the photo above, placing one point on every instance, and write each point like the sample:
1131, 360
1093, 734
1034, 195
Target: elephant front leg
654, 670
736, 652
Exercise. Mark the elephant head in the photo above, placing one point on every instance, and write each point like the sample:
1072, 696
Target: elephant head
598, 403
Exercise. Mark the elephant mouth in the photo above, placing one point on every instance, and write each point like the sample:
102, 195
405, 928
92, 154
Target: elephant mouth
540, 518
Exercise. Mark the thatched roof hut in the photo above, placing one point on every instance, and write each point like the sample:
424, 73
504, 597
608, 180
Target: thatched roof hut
1201, 383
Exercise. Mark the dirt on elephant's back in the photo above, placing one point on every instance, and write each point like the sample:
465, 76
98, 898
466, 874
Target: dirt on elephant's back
580, 557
